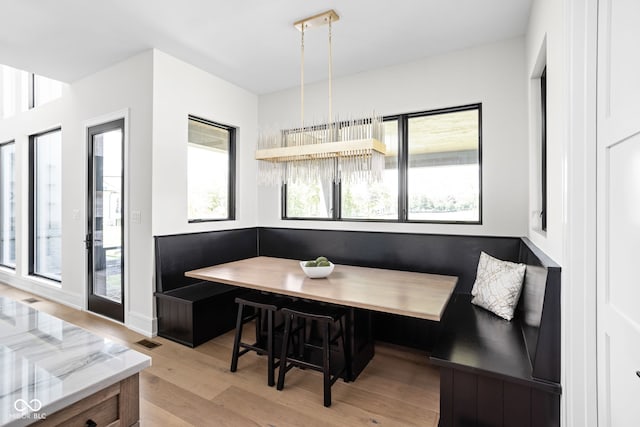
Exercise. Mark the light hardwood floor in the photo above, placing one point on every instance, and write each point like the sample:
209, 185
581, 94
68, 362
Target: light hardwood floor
193, 387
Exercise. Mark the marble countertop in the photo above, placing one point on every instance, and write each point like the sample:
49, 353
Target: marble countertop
46, 364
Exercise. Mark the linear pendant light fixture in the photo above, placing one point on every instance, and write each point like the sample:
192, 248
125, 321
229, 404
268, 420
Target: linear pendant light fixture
350, 150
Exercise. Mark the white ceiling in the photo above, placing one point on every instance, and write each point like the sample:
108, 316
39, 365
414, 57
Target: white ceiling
251, 43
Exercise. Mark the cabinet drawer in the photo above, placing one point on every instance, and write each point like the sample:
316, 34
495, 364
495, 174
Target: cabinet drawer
102, 414
116, 405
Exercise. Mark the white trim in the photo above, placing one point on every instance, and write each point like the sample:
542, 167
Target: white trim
105, 118
535, 148
7, 270
579, 401
43, 281
147, 326
126, 214
43, 288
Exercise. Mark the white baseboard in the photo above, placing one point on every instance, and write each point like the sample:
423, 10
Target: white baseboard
43, 289
147, 326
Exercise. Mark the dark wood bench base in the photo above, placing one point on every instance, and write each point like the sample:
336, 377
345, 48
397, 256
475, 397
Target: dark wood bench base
485, 372
499, 373
191, 311
196, 313
475, 399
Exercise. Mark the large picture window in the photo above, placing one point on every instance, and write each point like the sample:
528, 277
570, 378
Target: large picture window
45, 207
309, 201
378, 200
432, 174
304, 200
443, 182
7, 205
211, 171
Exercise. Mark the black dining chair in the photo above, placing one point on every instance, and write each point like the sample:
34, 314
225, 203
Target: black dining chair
330, 321
264, 305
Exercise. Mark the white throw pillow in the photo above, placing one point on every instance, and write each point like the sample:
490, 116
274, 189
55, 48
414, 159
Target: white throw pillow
498, 285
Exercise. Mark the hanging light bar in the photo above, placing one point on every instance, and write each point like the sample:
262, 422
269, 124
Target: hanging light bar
324, 150
349, 150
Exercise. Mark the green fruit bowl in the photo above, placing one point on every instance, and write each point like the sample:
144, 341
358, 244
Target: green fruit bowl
316, 272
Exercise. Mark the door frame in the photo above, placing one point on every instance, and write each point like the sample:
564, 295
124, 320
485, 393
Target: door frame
579, 362
96, 121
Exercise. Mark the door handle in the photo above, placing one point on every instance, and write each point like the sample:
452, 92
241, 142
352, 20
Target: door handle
89, 240
638, 374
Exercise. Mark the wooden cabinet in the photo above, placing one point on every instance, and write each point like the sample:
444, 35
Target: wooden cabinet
116, 405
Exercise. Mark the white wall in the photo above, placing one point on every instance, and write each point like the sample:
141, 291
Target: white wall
127, 86
180, 89
155, 93
490, 74
18, 128
123, 88
546, 33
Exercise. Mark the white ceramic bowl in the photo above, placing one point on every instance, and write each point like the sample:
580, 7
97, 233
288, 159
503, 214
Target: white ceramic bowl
316, 272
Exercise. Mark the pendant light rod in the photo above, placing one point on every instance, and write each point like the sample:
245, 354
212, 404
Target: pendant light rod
302, 77
324, 18
330, 74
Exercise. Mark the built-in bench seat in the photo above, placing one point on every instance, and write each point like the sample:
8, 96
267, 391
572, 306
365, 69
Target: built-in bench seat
496, 372
493, 372
197, 292
191, 311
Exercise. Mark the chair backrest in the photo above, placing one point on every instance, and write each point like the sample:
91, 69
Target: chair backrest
175, 254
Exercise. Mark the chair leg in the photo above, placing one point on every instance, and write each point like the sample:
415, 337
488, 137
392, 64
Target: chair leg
302, 336
270, 368
346, 336
236, 341
259, 341
326, 366
285, 351
345, 353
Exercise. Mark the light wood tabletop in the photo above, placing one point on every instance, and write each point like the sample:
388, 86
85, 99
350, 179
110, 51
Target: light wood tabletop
419, 295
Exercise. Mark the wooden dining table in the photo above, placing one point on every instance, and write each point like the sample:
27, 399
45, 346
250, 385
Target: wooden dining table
406, 293
363, 289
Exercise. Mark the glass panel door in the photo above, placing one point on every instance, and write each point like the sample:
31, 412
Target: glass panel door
105, 237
